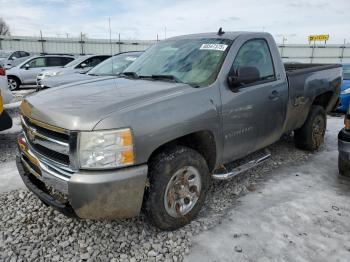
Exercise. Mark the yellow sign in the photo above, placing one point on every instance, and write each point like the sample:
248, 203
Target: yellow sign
318, 38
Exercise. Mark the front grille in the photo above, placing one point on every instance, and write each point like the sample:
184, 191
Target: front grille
50, 143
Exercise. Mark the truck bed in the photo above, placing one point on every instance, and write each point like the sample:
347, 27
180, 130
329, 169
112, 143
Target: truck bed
301, 68
306, 82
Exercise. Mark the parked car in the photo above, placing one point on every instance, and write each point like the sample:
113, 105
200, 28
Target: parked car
344, 147
155, 137
10, 58
79, 65
25, 73
7, 95
110, 67
345, 89
5, 119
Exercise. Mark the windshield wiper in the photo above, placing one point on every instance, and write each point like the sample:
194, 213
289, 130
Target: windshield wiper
130, 74
163, 77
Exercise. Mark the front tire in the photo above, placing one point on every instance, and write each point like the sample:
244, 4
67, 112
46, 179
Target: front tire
179, 182
13, 83
311, 135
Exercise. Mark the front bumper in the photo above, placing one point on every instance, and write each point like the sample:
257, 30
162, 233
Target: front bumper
87, 194
5, 121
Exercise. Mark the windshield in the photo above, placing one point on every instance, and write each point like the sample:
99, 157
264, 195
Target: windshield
114, 65
346, 72
4, 54
191, 61
76, 61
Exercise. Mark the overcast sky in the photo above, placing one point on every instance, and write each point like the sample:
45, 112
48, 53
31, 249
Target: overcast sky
138, 19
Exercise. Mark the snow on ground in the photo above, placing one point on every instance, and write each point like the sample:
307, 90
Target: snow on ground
299, 212
9, 177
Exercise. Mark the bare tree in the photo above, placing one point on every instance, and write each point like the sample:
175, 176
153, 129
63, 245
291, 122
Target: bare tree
4, 28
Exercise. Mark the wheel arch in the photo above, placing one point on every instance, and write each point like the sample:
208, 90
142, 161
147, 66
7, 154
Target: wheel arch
15, 77
324, 100
201, 141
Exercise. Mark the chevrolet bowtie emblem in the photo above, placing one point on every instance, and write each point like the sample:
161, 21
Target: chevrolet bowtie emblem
31, 135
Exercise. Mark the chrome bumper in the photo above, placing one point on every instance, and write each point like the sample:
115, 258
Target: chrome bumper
91, 194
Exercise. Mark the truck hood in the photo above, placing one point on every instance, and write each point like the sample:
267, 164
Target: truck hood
82, 106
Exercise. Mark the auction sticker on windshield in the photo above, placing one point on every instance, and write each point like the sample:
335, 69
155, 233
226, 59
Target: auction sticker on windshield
217, 47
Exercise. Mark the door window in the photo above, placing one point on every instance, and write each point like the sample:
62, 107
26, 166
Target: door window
15, 55
24, 54
54, 61
66, 60
255, 53
93, 61
37, 62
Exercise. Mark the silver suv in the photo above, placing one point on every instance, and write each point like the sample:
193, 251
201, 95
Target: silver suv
25, 73
10, 58
80, 65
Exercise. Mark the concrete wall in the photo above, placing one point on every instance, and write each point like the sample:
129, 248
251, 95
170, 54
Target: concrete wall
290, 53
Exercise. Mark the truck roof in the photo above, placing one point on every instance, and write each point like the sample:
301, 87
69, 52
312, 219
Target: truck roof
227, 35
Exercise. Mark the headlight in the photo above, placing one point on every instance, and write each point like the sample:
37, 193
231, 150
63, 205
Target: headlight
106, 149
345, 91
55, 73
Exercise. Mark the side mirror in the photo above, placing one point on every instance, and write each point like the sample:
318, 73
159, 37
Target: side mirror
83, 65
26, 66
13, 58
244, 75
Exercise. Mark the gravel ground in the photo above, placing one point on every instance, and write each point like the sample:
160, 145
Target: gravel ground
30, 231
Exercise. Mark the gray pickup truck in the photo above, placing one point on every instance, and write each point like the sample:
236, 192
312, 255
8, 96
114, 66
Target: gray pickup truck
153, 138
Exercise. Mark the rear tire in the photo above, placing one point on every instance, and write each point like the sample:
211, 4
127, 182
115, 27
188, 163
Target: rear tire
13, 83
311, 135
343, 165
179, 182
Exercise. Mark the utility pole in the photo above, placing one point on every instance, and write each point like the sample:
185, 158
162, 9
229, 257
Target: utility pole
42, 42
342, 51
284, 39
81, 43
119, 43
165, 32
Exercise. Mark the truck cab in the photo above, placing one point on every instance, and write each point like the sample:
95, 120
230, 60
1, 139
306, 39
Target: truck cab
156, 135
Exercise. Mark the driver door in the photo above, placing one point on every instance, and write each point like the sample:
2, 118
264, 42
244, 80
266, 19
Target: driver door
35, 66
253, 114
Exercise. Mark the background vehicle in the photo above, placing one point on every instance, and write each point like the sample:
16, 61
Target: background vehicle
5, 119
345, 89
80, 65
183, 110
9, 59
344, 147
26, 72
4, 89
110, 67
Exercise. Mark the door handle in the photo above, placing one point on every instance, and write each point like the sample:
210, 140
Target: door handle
274, 95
